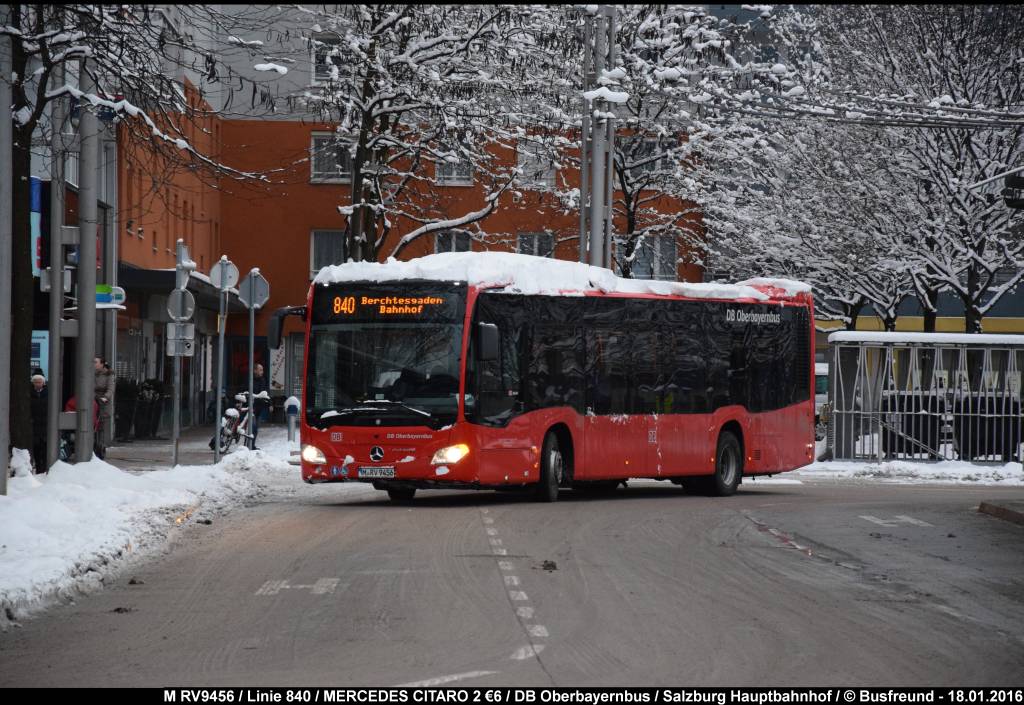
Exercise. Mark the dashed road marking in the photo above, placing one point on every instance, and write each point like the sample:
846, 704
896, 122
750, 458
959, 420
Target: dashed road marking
524, 612
441, 680
895, 521
323, 586
527, 652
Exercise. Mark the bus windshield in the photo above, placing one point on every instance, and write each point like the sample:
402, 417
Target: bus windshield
375, 359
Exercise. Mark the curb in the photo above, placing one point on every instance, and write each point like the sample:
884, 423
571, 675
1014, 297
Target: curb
1005, 513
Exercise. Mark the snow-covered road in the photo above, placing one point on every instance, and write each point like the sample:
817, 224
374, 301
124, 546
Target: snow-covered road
65, 533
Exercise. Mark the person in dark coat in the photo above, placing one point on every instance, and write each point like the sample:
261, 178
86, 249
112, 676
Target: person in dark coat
39, 403
260, 406
105, 399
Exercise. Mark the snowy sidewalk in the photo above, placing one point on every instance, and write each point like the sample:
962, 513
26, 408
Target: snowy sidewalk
154, 454
64, 533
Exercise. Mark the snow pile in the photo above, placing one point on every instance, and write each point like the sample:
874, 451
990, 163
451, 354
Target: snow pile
788, 287
525, 274
906, 472
64, 533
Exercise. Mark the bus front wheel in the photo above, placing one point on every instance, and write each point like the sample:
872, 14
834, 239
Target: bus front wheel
552, 469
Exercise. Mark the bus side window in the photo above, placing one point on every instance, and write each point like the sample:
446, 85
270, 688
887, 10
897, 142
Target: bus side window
496, 382
608, 360
555, 367
688, 390
647, 385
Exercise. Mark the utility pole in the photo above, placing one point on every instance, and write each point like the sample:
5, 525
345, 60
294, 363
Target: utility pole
6, 255
180, 334
609, 145
224, 275
56, 272
585, 146
597, 188
85, 371
253, 293
597, 149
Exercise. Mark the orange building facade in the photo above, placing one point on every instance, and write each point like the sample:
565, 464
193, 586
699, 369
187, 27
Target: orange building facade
273, 226
281, 226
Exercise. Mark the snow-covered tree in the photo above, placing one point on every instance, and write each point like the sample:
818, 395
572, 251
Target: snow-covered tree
138, 56
954, 57
875, 110
423, 95
942, 87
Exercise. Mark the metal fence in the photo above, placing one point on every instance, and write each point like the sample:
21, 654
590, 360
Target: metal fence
917, 396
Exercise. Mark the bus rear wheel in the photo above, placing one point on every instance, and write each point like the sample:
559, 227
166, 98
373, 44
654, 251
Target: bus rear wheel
728, 465
552, 469
401, 494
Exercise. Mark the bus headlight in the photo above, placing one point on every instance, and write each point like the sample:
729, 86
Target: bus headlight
313, 455
450, 455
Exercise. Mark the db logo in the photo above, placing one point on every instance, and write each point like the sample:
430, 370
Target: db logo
336, 437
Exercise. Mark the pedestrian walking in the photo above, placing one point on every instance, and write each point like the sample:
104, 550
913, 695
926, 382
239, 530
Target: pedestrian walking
259, 406
105, 400
39, 402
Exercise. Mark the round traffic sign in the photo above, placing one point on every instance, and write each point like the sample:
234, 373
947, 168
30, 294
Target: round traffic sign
181, 304
224, 274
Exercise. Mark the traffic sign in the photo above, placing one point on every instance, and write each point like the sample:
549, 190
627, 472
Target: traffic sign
181, 304
181, 348
44, 280
224, 274
254, 290
107, 294
181, 331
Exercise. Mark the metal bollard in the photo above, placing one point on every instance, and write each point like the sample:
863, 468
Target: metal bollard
291, 410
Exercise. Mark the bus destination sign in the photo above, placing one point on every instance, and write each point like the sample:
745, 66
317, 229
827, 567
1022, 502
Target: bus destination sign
386, 305
375, 302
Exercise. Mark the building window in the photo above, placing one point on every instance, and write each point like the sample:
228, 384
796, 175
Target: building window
540, 244
325, 247
656, 258
71, 168
537, 168
458, 173
329, 159
452, 241
328, 60
648, 157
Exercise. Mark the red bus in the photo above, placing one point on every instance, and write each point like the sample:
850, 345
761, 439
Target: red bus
494, 370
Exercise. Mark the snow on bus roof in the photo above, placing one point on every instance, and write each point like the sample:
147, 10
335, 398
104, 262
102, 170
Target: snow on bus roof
856, 336
539, 275
789, 287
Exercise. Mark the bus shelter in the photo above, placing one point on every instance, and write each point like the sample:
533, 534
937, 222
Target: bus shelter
925, 396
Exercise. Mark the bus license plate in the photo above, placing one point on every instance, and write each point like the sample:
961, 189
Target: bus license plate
377, 471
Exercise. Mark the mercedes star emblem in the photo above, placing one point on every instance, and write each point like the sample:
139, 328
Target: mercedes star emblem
376, 454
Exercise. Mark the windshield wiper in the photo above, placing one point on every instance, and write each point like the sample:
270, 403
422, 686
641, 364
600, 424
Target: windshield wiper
401, 404
370, 407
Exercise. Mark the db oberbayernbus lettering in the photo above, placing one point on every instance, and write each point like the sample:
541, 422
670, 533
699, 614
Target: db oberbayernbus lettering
438, 383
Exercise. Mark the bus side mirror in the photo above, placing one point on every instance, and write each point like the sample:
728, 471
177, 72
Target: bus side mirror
277, 323
488, 342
